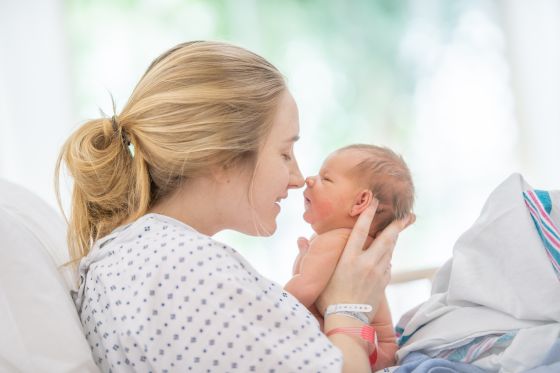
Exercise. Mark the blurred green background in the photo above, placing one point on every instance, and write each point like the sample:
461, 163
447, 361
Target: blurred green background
465, 90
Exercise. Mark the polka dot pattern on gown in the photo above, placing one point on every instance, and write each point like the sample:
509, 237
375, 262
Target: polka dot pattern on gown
157, 296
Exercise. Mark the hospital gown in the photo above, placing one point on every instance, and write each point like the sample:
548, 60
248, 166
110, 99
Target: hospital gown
157, 296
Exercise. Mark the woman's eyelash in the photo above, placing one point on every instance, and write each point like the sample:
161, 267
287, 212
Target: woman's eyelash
286, 157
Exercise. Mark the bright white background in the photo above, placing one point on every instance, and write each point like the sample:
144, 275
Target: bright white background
483, 102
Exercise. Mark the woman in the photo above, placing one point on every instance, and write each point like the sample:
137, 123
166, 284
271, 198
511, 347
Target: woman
205, 143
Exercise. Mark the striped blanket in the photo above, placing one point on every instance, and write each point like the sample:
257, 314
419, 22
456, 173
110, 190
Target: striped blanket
496, 303
539, 204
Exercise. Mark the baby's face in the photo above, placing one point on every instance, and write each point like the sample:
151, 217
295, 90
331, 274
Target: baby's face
329, 196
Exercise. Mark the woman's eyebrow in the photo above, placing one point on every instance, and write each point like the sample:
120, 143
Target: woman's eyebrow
292, 139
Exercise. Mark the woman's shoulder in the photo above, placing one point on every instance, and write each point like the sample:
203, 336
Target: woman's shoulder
182, 240
156, 246
160, 243
151, 230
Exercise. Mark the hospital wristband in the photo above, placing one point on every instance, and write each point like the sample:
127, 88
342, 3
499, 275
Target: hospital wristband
349, 307
358, 311
360, 316
366, 332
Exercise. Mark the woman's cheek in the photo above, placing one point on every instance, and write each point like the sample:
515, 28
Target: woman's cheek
286, 176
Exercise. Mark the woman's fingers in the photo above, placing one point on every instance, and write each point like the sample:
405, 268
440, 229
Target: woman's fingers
385, 242
360, 231
385, 261
361, 277
411, 220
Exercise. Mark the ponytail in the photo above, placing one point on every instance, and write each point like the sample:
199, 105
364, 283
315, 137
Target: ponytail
111, 184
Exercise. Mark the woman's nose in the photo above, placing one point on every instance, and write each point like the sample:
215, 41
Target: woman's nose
296, 178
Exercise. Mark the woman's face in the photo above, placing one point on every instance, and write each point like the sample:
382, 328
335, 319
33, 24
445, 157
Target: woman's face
276, 169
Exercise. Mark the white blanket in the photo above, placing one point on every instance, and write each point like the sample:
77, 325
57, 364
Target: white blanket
500, 279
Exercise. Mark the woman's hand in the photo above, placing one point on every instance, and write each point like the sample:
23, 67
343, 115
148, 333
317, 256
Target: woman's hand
362, 275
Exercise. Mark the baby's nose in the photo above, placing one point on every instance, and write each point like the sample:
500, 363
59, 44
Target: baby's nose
310, 181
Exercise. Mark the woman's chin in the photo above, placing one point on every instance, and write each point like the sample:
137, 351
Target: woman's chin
266, 230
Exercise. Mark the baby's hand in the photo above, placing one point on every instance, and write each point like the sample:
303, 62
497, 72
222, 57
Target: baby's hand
303, 245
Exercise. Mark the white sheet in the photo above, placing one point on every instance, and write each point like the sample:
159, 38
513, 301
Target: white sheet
499, 279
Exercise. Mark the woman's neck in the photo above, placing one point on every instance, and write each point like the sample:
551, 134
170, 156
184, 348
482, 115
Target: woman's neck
195, 205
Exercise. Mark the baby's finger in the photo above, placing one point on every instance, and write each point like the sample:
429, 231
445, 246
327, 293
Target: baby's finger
303, 244
360, 231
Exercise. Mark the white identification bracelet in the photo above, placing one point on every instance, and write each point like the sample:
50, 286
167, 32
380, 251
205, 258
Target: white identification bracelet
348, 307
360, 316
356, 311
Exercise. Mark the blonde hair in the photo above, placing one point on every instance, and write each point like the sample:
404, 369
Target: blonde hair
198, 105
386, 174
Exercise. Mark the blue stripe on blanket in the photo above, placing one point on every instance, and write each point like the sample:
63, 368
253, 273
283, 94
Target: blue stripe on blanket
471, 351
402, 339
547, 205
544, 197
543, 227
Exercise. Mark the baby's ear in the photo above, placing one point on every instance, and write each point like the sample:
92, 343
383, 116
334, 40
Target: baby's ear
361, 201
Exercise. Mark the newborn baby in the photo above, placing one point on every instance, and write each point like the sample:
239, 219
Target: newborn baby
347, 182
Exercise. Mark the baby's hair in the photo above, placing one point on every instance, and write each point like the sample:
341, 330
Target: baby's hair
386, 174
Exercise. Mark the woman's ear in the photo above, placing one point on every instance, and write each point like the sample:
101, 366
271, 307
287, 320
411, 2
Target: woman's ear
221, 173
362, 200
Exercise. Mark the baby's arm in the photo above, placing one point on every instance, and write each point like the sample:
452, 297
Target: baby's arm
383, 324
303, 246
297, 264
316, 266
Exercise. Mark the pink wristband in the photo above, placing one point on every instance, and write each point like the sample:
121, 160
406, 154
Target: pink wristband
366, 332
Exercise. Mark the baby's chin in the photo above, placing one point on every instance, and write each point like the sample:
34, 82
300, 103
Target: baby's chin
316, 225
310, 221
319, 228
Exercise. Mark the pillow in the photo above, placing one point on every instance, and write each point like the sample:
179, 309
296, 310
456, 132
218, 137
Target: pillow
39, 325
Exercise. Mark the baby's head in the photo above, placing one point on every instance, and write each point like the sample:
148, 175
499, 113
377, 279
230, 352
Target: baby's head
349, 179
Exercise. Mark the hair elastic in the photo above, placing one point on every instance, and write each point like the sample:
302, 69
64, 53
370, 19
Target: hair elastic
124, 135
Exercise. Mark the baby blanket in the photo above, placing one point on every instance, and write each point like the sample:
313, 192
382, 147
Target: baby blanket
496, 303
